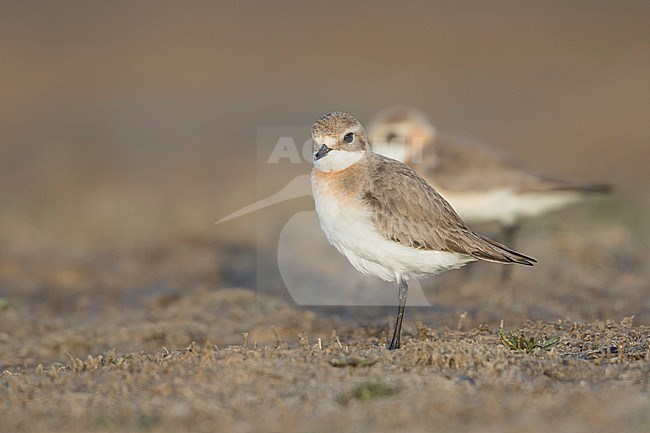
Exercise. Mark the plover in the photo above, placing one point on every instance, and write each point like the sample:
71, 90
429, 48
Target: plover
385, 218
481, 184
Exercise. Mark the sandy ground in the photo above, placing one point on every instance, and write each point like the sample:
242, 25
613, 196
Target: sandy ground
596, 380
128, 129
157, 338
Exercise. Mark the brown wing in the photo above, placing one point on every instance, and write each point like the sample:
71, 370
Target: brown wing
409, 211
460, 164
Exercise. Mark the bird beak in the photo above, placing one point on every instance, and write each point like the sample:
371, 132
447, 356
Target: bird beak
324, 150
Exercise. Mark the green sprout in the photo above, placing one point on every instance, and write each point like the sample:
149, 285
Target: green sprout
367, 391
345, 360
520, 342
4, 304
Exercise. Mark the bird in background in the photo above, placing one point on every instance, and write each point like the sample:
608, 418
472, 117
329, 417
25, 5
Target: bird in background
385, 218
482, 185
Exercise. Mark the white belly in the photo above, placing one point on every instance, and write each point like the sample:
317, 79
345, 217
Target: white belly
349, 228
506, 207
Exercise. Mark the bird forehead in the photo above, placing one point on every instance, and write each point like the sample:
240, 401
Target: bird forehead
333, 124
327, 140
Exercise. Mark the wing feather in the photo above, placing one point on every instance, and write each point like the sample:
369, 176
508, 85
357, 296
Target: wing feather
407, 210
461, 164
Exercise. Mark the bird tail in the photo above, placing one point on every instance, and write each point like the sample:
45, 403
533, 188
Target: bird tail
493, 251
596, 188
580, 187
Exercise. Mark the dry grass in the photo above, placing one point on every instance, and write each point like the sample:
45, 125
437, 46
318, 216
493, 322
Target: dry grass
88, 343
594, 380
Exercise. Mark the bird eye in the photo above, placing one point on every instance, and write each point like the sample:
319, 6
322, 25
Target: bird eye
348, 137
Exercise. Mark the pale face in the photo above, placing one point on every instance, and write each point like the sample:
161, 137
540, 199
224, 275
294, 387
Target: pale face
338, 160
403, 140
339, 142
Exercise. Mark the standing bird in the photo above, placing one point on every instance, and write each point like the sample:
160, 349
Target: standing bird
481, 184
386, 219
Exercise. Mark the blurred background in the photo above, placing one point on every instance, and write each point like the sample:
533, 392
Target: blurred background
128, 128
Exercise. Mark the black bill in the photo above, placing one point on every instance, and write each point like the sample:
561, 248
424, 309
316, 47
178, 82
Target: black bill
324, 150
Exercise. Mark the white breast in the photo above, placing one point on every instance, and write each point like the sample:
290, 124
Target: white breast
348, 226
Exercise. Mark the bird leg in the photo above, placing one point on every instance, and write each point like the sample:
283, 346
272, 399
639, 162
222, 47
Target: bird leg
401, 297
509, 233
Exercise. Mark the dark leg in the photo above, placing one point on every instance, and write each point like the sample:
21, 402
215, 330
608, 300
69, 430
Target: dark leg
509, 235
401, 297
